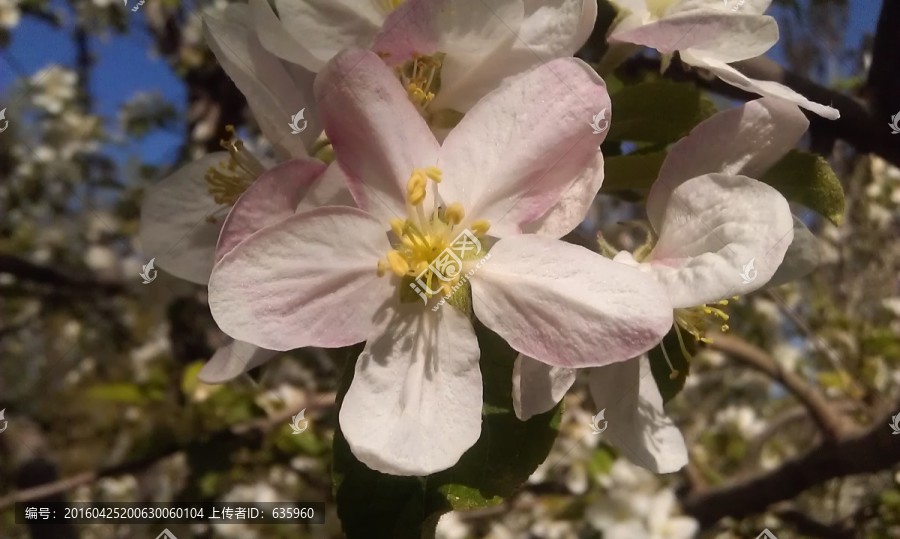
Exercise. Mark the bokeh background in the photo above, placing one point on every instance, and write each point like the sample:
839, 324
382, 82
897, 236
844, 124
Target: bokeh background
786, 417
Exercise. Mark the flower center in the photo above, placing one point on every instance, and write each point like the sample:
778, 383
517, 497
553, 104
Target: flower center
231, 177
421, 77
696, 320
431, 248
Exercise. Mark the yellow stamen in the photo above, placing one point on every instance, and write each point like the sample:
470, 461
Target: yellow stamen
480, 227
230, 178
421, 78
397, 226
455, 213
415, 188
398, 264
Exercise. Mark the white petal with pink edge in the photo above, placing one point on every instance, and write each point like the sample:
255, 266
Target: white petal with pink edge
309, 280
378, 135
520, 148
566, 306
713, 227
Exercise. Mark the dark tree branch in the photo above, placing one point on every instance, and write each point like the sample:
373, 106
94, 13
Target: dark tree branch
832, 424
28, 271
870, 451
883, 86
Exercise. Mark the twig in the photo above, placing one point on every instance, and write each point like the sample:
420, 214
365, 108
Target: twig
870, 451
833, 425
249, 430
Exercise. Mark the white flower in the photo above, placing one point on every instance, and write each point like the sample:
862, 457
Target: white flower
710, 217
9, 13
710, 34
469, 46
333, 276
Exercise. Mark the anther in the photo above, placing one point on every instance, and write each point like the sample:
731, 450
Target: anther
397, 226
398, 264
454, 213
480, 227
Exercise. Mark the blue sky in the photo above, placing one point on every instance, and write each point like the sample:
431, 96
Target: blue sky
125, 66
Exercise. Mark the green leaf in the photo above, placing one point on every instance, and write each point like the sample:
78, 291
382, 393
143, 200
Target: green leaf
632, 171
376, 505
122, 393
807, 178
660, 111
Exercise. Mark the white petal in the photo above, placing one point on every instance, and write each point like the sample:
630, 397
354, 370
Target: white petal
713, 226
638, 426
520, 148
309, 280
566, 306
174, 225
274, 92
538, 387
378, 136
755, 7
278, 40
414, 406
762, 87
272, 198
745, 140
233, 360
326, 27
725, 36
802, 257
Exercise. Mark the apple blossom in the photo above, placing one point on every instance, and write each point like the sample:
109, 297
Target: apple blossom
447, 53
708, 217
183, 215
709, 34
336, 276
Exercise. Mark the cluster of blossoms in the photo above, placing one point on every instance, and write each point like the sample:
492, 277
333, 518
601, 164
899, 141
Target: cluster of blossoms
439, 128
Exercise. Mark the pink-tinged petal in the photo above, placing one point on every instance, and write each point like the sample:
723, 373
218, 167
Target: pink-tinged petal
378, 135
326, 27
727, 36
713, 227
538, 387
329, 190
762, 87
520, 148
180, 221
309, 280
574, 204
414, 406
566, 306
233, 360
745, 140
272, 198
278, 40
274, 91
637, 423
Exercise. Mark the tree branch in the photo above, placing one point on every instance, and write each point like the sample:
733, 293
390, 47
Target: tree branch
870, 451
247, 431
833, 425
